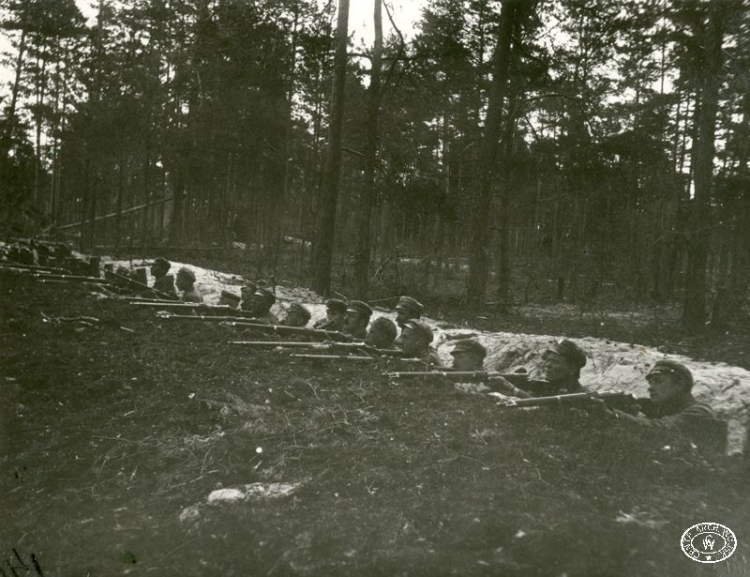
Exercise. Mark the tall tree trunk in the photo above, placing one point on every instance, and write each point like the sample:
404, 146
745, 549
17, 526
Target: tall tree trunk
146, 167
50, 204
329, 191
120, 194
367, 199
503, 265
479, 262
179, 195
11, 121
40, 95
694, 311
741, 243
61, 112
280, 205
91, 161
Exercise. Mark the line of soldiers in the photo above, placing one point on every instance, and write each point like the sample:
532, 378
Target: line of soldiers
351, 318
670, 405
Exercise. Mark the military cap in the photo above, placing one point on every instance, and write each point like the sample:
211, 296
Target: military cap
336, 305
672, 368
386, 326
421, 328
265, 294
160, 262
302, 310
248, 289
187, 273
409, 305
570, 351
360, 308
471, 346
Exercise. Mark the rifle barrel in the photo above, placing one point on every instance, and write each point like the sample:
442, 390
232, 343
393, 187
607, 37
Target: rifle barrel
333, 347
33, 268
69, 277
178, 305
130, 299
228, 320
283, 329
336, 357
450, 374
232, 321
285, 344
612, 396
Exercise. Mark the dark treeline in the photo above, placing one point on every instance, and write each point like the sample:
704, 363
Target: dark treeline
568, 149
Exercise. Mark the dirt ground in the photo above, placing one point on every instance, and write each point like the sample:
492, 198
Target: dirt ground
132, 445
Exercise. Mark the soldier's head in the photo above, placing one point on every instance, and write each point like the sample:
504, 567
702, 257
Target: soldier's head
160, 267
261, 301
25, 255
382, 333
668, 380
468, 355
297, 315
335, 310
246, 292
563, 361
417, 336
185, 279
357, 316
246, 296
407, 308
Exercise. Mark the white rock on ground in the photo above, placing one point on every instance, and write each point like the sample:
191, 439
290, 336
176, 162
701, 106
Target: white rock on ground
252, 491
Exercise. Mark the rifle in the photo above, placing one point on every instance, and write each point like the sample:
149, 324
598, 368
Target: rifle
228, 320
131, 299
464, 376
337, 358
278, 329
65, 278
613, 400
70, 277
285, 330
168, 305
363, 347
32, 268
134, 284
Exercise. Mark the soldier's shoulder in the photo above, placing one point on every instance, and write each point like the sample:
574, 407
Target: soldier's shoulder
699, 409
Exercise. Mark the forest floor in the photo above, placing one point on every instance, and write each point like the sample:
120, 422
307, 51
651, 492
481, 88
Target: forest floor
134, 446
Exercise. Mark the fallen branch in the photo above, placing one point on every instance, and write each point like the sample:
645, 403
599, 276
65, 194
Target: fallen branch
83, 319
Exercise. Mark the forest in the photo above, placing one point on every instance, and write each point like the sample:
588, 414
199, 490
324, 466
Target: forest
525, 150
